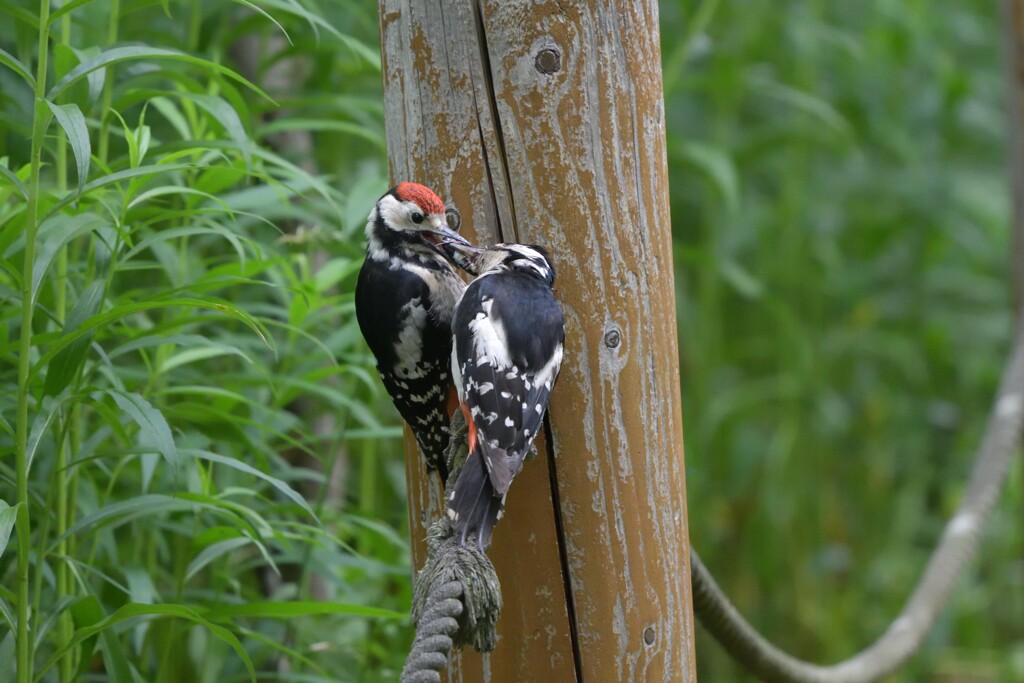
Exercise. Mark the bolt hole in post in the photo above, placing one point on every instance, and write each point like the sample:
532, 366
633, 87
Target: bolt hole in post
612, 338
649, 636
548, 61
453, 217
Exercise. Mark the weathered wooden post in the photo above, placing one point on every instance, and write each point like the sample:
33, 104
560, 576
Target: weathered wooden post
544, 122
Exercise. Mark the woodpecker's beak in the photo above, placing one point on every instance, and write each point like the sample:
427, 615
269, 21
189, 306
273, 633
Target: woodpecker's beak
439, 235
464, 255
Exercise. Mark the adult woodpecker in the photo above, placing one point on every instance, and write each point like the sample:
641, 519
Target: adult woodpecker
405, 297
509, 333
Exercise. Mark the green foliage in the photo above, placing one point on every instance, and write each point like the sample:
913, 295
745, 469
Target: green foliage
188, 446
841, 218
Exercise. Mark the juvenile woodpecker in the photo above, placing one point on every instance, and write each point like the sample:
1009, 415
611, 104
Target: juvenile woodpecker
509, 333
405, 297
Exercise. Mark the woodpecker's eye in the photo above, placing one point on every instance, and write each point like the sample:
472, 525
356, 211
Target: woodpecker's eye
416, 217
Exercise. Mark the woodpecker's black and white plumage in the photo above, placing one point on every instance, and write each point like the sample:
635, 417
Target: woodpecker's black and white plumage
405, 297
509, 333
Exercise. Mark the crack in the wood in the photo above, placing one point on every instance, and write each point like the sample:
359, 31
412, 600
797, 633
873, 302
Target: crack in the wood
563, 552
492, 103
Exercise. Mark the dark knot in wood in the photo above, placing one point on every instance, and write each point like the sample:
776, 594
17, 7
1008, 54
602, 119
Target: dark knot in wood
548, 61
649, 635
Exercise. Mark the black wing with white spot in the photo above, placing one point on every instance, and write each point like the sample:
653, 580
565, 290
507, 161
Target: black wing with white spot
509, 335
412, 348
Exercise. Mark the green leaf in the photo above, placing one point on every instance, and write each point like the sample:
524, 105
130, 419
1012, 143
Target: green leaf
15, 182
40, 424
741, 279
9, 60
815, 107
717, 167
290, 610
61, 370
170, 111
165, 190
133, 612
146, 505
198, 354
8, 516
186, 340
66, 228
262, 12
5, 612
333, 272
212, 552
122, 54
95, 79
134, 158
119, 176
281, 486
357, 47
295, 655
7, 654
30, 19
86, 613
65, 8
123, 310
153, 427
324, 125
70, 118
155, 239
226, 116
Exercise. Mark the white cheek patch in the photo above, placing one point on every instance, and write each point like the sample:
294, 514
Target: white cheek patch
396, 214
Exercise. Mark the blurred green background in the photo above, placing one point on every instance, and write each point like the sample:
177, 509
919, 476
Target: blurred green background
207, 431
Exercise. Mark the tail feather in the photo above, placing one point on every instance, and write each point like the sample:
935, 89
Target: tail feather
473, 507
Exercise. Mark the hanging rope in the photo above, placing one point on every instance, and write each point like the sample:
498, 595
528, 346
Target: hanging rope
956, 548
456, 597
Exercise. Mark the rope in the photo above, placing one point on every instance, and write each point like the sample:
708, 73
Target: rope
456, 596
956, 548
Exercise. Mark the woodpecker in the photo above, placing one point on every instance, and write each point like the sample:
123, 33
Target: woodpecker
509, 332
405, 297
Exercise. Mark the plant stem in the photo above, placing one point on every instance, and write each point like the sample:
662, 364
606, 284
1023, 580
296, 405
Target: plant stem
102, 148
195, 25
40, 119
65, 629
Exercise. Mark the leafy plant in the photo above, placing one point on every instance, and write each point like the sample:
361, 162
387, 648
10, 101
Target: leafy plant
179, 353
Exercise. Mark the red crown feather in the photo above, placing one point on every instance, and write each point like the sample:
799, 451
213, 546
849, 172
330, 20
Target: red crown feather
421, 195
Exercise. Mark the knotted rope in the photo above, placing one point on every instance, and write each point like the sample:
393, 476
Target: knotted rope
456, 597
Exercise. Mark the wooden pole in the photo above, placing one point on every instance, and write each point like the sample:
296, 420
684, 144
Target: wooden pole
543, 122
